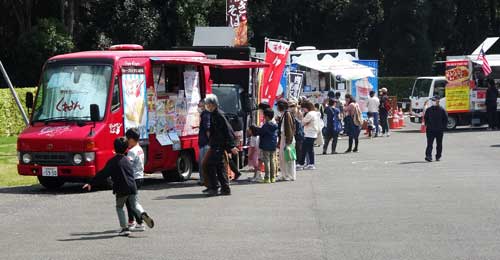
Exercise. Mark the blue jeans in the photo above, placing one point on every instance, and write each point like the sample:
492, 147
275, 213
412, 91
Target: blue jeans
307, 150
375, 122
203, 151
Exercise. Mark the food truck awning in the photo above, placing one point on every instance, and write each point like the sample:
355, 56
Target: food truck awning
216, 63
347, 69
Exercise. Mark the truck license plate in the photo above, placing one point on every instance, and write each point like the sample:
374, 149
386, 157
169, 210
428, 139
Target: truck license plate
49, 171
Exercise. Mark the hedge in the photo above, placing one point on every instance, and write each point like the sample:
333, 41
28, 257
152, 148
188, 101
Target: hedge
397, 86
11, 120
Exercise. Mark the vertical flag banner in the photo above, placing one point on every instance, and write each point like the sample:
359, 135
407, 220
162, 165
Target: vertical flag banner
296, 84
457, 87
276, 57
237, 18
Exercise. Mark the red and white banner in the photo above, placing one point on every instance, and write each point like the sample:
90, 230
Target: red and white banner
276, 57
237, 18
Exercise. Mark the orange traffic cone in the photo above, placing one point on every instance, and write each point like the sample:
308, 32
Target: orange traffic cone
401, 114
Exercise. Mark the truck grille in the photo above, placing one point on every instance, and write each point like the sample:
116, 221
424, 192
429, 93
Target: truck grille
53, 158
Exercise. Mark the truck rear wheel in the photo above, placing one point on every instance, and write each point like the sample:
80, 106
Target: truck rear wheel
452, 123
50, 183
183, 170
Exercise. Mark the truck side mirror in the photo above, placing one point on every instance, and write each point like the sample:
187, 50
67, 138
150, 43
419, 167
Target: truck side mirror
94, 113
29, 100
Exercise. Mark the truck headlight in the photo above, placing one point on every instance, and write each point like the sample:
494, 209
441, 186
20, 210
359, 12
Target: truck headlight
89, 157
26, 158
77, 158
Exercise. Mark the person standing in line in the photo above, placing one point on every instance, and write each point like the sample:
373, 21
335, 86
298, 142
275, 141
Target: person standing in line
320, 139
299, 128
203, 138
491, 105
286, 138
436, 120
333, 125
311, 129
136, 156
384, 110
120, 170
373, 105
352, 122
268, 135
221, 140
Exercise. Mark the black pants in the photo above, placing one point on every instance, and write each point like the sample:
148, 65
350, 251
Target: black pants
130, 212
431, 135
307, 150
331, 135
384, 122
298, 148
491, 113
217, 172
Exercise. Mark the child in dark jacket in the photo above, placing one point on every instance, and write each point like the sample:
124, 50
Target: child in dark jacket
120, 170
268, 134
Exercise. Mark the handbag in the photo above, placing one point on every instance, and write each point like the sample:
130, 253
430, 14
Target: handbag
290, 153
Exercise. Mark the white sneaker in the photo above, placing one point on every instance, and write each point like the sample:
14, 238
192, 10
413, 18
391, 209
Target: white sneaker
125, 232
131, 224
299, 167
310, 167
139, 228
387, 135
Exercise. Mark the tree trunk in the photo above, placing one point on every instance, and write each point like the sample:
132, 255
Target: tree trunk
71, 17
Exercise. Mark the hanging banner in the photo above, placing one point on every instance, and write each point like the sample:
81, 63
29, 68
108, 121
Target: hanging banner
276, 57
296, 84
237, 19
135, 99
457, 90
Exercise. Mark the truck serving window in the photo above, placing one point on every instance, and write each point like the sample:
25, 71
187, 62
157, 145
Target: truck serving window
67, 91
422, 88
439, 88
229, 97
168, 79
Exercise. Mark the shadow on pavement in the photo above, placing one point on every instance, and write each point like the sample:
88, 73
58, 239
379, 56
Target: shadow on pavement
160, 184
88, 238
37, 189
414, 162
95, 233
495, 146
182, 197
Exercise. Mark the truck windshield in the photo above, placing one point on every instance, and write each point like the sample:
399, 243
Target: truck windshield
229, 98
66, 92
422, 88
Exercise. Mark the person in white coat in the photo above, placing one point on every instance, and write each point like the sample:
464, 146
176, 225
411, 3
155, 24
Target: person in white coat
287, 140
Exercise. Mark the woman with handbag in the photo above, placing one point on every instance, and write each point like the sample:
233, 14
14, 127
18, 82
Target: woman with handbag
352, 122
333, 125
287, 153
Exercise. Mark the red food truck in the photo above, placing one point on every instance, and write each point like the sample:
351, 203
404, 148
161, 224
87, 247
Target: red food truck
87, 99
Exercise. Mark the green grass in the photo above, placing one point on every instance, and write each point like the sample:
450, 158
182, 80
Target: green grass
8, 165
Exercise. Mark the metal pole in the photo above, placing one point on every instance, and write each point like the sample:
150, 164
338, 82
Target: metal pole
14, 94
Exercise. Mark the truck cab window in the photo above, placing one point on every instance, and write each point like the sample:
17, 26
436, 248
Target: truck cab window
115, 102
439, 88
168, 79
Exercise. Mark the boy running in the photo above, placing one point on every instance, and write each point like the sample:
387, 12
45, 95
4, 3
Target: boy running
136, 156
124, 187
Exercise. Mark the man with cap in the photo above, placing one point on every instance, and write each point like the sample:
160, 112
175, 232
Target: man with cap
436, 120
384, 110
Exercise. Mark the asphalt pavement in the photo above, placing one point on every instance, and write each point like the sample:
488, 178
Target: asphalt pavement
384, 202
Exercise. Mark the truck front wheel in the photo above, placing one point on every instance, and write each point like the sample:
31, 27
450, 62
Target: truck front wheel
50, 183
183, 169
452, 123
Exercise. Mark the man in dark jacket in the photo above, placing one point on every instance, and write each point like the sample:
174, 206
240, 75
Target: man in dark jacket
491, 104
221, 140
436, 120
120, 170
384, 110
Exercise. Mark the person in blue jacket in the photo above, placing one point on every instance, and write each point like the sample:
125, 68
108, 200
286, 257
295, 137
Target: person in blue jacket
268, 134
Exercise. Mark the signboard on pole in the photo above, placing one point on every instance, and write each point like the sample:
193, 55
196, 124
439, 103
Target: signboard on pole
296, 84
236, 11
276, 56
457, 90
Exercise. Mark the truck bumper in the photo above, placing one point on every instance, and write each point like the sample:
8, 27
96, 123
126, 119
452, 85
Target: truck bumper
80, 172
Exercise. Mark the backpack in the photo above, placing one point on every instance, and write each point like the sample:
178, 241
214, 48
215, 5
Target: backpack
299, 130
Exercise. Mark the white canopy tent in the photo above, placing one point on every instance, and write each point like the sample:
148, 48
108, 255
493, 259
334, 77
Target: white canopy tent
342, 66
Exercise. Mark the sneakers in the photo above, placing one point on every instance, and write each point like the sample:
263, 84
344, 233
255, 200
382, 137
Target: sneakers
139, 228
355, 150
205, 191
265, 180
148, 220
299, 167
273, 180
387, 135
348, 151
438, 159
428, 159
211, 193
225, 192
310, 167
125, 232
131, 224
